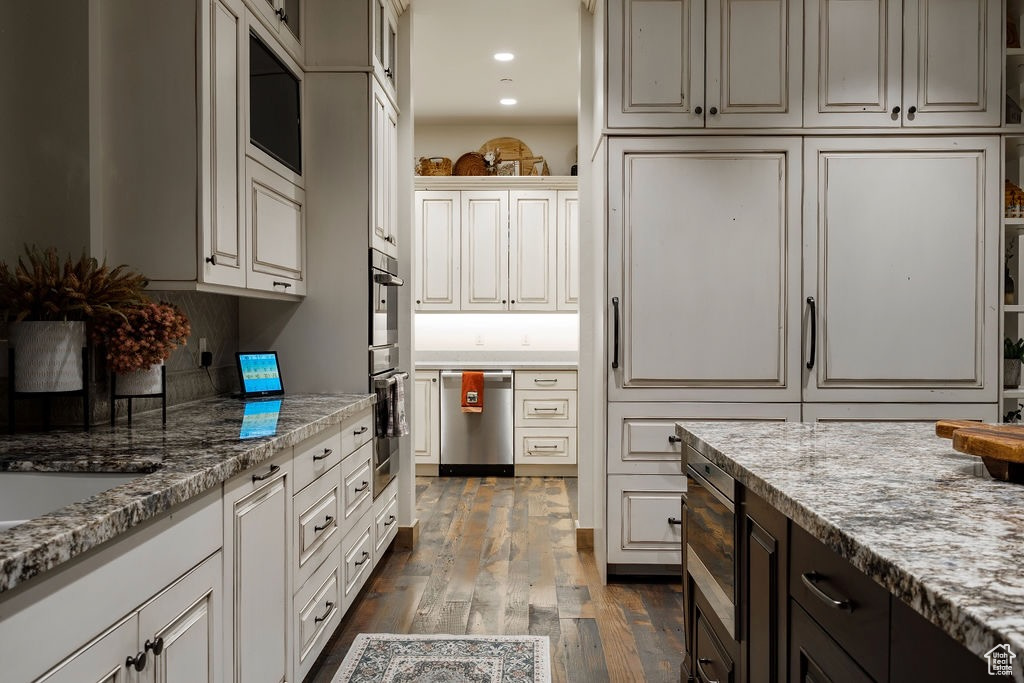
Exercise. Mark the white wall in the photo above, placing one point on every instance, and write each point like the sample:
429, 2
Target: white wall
496, 332
556, 143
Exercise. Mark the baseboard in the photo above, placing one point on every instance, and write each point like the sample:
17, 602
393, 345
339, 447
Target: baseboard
545, 470
426, 470
584, 537
408, 536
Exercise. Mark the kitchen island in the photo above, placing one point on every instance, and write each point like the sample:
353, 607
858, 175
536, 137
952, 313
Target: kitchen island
897, 503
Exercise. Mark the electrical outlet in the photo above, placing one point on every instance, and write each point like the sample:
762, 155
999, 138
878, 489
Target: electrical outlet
479, 340
526, 340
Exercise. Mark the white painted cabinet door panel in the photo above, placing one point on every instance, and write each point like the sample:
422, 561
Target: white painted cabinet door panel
896, 257
704, 250
533, 248
426, 433
853, 63
223, 228
102, 660
484, 250
437, 251
952, 51
384, 191
275, 214
644, 515
655, 70
754, 63
568, 253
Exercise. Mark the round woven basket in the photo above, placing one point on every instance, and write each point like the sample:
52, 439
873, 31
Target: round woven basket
434, 166
470, 163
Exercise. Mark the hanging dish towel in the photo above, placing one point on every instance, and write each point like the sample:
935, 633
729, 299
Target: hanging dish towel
397, 423
472, 392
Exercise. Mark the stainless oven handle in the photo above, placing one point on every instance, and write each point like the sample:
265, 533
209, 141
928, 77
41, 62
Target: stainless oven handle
502, 374
388, 280
381, 382
719, 496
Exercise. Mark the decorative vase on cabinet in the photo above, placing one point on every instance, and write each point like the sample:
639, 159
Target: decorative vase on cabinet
144, 382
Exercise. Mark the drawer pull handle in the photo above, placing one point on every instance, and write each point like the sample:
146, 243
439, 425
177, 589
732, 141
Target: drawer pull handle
365, 485
543, 380
546, 410
391, 520
327, 454
546, 447
330, 608
278, 283
157, 646
675, 520
366, 556
328, 521
811, 580
700, 670
361, 430
672, 438
261, 477
138, 662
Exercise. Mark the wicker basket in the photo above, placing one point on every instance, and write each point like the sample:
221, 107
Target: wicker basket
434, 166
470, 163
1013, 196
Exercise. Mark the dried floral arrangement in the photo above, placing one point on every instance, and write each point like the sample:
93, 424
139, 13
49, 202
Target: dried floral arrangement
142, 336
43, 287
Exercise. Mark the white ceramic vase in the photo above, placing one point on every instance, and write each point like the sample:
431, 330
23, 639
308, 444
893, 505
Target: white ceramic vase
47, 355
140, 382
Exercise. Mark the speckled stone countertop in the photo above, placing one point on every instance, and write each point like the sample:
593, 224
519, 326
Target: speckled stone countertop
921, 519
200, 448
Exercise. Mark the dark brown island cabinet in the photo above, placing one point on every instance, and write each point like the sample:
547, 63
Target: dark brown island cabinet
803, 614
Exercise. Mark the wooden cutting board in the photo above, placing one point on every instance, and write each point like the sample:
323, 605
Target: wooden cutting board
1001, 447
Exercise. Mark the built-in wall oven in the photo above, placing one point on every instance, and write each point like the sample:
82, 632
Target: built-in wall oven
709, 516
384, 355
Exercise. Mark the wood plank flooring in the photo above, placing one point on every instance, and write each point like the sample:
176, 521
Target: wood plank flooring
497, 556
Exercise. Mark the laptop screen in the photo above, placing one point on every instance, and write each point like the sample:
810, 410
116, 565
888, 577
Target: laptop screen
259, 374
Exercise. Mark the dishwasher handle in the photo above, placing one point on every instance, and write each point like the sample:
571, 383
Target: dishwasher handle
497, 374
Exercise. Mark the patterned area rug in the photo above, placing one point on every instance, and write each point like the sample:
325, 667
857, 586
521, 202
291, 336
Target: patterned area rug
390, 658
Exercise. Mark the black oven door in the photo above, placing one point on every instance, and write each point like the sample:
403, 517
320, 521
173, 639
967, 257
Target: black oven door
710, 546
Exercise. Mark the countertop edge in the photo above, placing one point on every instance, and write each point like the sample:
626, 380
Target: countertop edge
88, 530
957, 622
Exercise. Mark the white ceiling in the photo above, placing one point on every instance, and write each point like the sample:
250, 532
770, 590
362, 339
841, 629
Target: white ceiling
455, 77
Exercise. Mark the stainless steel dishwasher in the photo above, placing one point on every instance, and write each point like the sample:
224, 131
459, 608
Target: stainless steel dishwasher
477, 443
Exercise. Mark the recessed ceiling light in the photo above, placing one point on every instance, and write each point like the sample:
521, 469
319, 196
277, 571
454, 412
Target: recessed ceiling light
504, 56
508, 101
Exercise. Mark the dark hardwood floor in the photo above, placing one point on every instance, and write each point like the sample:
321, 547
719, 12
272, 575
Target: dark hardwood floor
497, 556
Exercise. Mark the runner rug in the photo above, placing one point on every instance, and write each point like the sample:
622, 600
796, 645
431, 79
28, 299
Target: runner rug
389, 658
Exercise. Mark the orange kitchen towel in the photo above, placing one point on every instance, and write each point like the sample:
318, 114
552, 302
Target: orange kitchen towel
472, 392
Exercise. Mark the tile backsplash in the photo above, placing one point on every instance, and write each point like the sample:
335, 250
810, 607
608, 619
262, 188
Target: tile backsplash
212, 316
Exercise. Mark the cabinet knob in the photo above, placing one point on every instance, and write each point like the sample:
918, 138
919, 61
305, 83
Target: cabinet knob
672, 438
513, 300
212, 259
911, 112
503, 301
138, 662
156, 646
281, 13
713, 111
698, 110
418, 301
895, 111
389, 73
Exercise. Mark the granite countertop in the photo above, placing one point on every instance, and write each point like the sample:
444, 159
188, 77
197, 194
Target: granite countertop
200, 448
921, 519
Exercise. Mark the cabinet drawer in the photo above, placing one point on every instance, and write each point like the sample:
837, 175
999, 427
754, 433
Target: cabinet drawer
545, 408
318, 610
545, 446
711, 663
357, 558
317, 512
385, 523
818, 579
356, 475
546, 379
316, 455
645, 519
814, 656
356, 432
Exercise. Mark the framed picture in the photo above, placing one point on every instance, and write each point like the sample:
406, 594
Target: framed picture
508, 167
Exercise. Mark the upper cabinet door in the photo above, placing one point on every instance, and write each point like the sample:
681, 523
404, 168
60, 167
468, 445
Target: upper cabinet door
898, 256
384, 161
951, 62
754, 63
703, 260
533, 249
436, 251
568, 271
484, 250
853, 64
655, 69
385, 44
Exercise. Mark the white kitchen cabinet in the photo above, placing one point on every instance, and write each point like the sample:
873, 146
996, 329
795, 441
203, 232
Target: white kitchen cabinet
691, 64
385, 520
899, 412
545, 446
356, 558
363, 33
103, 659
426, 431
484, 264
275, 231
544, 425
437, 251
567, 287
532, 250
258, 567
316, 529
897, 260
918, 63
385, 44
384, 162
703, 269
317, 612
356, 479
283, 18
645, 519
